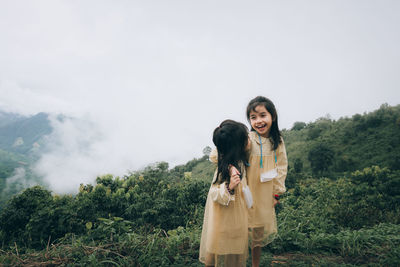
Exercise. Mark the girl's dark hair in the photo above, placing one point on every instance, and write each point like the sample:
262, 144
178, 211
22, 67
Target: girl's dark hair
231, 139
274, 133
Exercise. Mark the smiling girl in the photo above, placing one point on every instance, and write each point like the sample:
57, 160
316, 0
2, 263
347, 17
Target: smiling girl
266, 172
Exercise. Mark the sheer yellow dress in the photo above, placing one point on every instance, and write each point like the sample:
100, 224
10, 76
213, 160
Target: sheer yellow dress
224, 237
262, 218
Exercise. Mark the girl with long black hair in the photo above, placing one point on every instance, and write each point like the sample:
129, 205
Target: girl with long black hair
224, 239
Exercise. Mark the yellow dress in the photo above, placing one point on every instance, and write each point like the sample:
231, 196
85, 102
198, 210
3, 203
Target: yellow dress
262, 219
224, 237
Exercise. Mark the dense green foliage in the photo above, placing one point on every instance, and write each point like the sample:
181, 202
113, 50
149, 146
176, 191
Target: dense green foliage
149, 199
152, 217
347, 144
342, 207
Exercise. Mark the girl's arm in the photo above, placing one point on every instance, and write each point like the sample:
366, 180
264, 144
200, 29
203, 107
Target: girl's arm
219, 192
279, 181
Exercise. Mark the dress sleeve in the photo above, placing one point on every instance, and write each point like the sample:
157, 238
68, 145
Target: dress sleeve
279, 181
219, 193
214, 156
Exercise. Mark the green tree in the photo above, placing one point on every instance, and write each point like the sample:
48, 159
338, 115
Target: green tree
18, 212
298, 125
207, 151
320, 157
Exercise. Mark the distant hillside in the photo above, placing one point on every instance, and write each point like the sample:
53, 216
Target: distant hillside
7, 118
20, 140
19, 134
328, 146
324, 147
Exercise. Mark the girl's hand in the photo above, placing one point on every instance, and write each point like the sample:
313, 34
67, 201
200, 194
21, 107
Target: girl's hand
275, 202
235, 177
233, 170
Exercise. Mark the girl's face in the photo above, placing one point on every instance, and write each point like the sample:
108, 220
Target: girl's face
261, 120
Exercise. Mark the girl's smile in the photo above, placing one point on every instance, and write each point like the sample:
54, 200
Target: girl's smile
261, 120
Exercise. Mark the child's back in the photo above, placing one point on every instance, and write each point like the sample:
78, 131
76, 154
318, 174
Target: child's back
224, 239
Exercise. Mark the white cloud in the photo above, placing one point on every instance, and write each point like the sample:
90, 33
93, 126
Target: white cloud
26, 101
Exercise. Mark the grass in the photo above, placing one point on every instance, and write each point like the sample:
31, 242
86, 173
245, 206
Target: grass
117, 254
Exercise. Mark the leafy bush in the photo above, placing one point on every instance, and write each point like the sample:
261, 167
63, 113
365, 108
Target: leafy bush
154, 218
147, 199
372, 196
17, 214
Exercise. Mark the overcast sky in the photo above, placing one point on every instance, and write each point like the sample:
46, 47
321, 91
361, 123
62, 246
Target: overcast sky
149, 81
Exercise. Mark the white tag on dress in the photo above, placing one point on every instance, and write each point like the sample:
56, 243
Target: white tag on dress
248, 197
268, 176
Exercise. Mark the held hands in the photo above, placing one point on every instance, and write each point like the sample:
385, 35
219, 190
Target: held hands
235, 177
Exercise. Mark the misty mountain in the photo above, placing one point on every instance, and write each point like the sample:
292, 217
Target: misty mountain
21, 138
7, 118
21, 134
